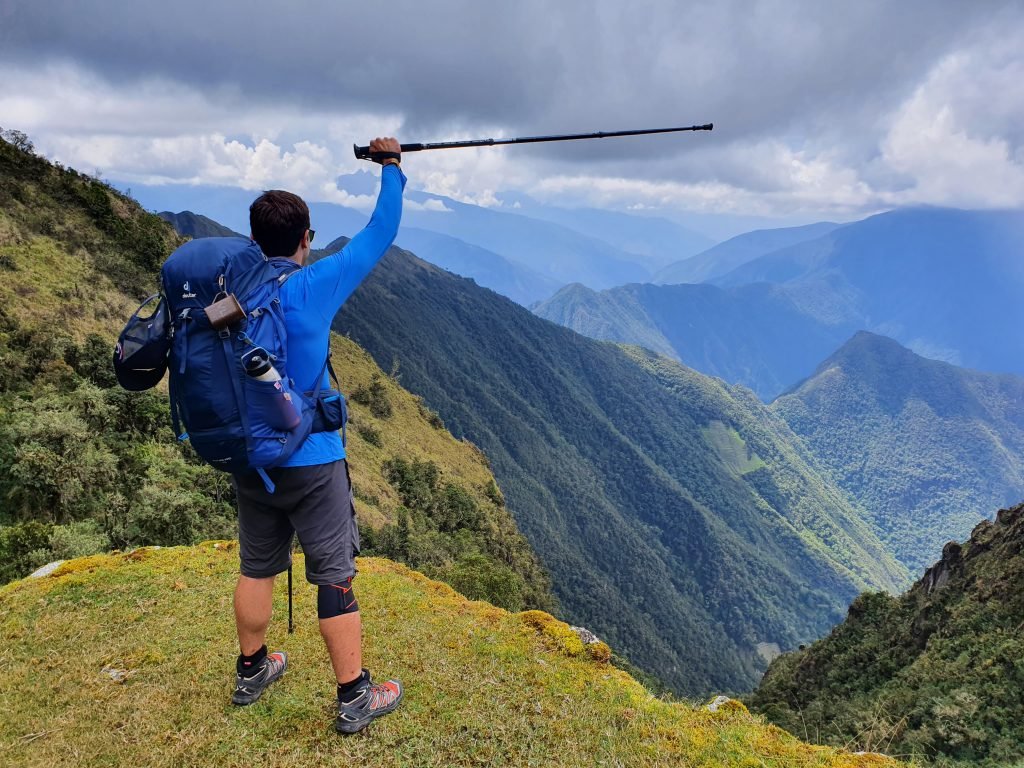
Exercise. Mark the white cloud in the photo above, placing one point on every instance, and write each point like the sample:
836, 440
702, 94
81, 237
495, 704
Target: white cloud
957, 139
792, 182
433, 204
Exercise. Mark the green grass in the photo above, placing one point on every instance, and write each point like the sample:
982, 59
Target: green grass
484, 687
731, 448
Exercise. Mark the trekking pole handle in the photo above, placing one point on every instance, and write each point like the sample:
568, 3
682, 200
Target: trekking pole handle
363, 153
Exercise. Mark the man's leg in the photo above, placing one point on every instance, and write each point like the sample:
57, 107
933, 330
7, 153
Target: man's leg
343, 637
253, 603
327, 530
264, 536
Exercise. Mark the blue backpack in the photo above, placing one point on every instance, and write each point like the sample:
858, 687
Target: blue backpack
223, 301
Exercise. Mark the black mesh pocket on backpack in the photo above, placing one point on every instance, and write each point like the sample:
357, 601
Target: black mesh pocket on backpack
331, 411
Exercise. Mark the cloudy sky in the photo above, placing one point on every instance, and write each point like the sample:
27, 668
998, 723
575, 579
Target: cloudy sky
821, 109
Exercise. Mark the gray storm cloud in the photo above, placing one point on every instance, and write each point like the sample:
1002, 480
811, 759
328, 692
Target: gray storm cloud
755, 66
826, 80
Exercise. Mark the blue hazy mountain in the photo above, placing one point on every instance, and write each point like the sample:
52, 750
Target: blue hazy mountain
939, 281
229, 207
927, 449
516, 281
654, 241
754, 335
557, 252
725, 257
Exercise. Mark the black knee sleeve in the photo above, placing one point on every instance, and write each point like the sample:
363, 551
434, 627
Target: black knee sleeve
335, 600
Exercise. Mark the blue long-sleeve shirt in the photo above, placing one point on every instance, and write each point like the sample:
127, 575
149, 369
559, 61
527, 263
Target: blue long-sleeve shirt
313, 295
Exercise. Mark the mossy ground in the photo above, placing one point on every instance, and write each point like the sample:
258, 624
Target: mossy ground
484, 687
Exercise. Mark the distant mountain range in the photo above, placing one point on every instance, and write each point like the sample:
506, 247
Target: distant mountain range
754, 335
679, 517
490, 270
652, 241
928, 449
555, 251
721, 259
939, 281
518, 255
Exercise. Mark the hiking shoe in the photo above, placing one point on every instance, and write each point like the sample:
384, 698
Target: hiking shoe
251, 687
371, 700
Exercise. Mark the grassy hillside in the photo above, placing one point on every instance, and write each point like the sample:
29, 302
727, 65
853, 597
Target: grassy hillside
137, 683
85, 466
928, 449
935, 673
656, 537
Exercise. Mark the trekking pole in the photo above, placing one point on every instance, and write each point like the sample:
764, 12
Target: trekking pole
363, 153
291, 626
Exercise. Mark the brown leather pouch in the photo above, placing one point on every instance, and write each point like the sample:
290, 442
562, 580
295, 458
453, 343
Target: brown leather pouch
225, 312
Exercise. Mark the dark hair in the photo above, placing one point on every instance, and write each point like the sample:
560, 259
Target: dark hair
278, 220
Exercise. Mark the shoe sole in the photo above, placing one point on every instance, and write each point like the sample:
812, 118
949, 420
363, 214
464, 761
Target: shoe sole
349, 728
245, 701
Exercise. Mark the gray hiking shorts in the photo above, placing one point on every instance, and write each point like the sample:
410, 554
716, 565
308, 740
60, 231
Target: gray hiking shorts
313, 502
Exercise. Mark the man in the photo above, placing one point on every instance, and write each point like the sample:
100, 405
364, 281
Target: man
313, 497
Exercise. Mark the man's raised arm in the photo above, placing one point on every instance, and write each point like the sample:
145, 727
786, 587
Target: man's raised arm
333, 279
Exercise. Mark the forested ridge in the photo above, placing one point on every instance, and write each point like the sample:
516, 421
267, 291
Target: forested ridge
936, 673
86, 467
927, 448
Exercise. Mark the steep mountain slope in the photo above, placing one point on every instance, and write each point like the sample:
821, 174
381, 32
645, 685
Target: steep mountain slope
936, 280
754, 335
935, 673
191, 224
86, 466
725, 257
677, 516
519, 283
483, 686
927, 448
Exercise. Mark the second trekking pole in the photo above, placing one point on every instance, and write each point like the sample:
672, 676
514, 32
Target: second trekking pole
291, 626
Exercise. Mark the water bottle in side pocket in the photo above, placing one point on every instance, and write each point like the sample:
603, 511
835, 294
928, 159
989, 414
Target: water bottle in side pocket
267, 394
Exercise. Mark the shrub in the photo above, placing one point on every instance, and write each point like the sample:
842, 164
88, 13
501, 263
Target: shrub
374, 397
369, 434
23, 548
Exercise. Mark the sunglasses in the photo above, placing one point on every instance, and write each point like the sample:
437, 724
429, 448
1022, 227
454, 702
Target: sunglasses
312, 234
